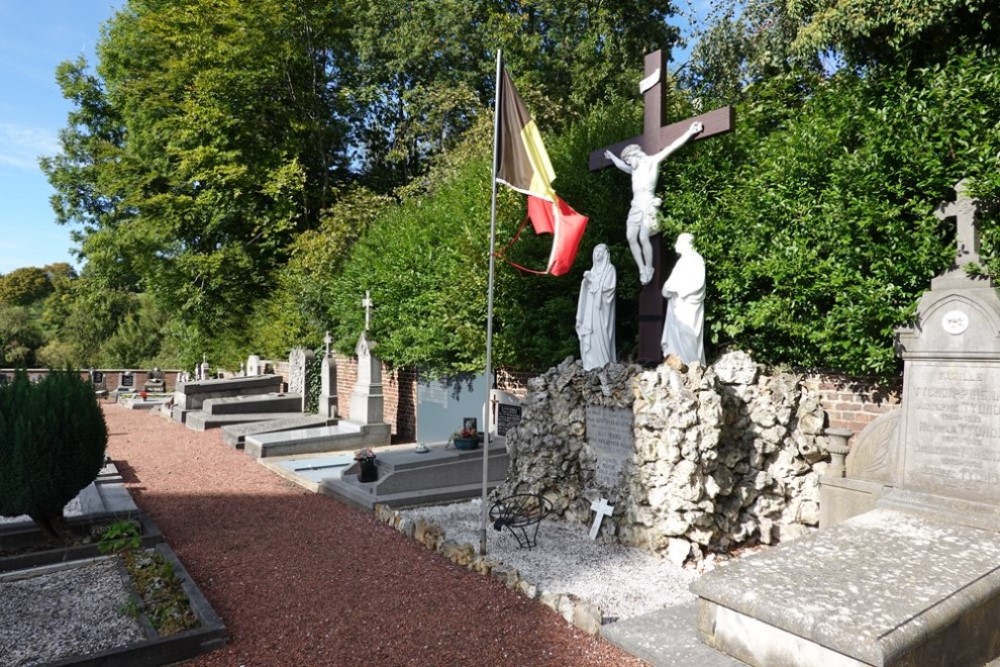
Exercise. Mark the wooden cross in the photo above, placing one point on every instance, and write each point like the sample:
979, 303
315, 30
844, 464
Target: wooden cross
601, 509
327, 339
657, 135
963, 209
367, 303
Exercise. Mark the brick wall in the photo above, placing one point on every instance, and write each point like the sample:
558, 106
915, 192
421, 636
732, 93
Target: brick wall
853, 403
112, 376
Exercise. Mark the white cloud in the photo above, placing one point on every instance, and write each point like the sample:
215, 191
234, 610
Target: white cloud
21, 146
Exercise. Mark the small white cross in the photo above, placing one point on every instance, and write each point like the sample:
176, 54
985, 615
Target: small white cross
367, 303
964, 210
327, 339
602, 509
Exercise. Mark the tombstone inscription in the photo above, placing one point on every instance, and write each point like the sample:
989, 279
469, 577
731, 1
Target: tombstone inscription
610, 434
508, 416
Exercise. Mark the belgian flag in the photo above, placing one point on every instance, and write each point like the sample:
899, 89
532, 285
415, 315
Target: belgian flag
523, 164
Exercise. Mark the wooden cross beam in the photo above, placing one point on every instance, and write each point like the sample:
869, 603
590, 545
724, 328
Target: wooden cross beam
657, 135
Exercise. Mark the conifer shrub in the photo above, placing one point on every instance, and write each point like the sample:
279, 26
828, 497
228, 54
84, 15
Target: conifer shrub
52, 442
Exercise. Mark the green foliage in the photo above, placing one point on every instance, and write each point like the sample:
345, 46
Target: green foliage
23, 287
314, 369
425, 70
426, 260
817, 223
52, 441
20, 337
123, 535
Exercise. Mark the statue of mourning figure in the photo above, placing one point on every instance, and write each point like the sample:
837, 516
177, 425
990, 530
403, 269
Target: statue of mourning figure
641, 221
684, 290
595, 311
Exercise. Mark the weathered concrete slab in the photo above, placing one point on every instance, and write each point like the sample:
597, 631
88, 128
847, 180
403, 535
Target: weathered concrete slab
340, 437
259, 403
234, 434
666, 638
884, 588
203, 421
192, 395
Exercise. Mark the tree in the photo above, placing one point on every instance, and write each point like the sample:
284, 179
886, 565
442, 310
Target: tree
235, 137
24, 286
52, 442
20, 337
425, 71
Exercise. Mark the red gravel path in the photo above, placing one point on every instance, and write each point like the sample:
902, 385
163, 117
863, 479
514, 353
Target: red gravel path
302, 579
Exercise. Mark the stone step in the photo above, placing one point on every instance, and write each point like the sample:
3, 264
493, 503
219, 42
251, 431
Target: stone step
666, 638
234, 434
202, 421
263, 403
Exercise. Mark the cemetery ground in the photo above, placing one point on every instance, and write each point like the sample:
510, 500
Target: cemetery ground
303, 579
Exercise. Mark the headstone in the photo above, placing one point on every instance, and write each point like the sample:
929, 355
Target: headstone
154, 381
97, 379
127, 380
327, 406
201, 371
611, 436
506, 411
442, 403
254, 366
601, 509
367, 400
298, 376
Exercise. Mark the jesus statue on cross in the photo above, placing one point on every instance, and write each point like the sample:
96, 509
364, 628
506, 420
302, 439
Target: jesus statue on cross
641, 221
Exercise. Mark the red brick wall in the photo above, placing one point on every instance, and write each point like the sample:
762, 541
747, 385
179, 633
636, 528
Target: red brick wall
854, 402
112, 376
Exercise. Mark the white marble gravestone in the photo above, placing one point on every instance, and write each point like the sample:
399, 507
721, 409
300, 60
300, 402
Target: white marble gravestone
327, 406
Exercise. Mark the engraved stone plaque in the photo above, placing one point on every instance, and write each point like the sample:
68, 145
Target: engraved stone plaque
610, 434
952, 438
508, 416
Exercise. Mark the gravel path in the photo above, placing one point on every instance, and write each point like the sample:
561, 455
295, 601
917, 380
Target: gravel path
302, 579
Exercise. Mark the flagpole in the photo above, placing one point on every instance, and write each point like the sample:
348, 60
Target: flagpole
489, 310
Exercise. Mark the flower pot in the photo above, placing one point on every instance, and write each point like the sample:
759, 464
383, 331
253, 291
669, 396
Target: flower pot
466, 443
367, 471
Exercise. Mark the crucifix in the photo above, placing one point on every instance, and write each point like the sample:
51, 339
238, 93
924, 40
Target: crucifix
963, 209
656, 137
367, 303
601, 509
327, 340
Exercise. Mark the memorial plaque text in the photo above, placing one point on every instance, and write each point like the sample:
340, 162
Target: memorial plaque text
610, 434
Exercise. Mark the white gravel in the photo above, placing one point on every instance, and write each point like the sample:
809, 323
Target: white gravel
622, 581
64, 612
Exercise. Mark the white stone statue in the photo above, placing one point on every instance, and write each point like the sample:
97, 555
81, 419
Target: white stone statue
595, 311
641, 222
683, 328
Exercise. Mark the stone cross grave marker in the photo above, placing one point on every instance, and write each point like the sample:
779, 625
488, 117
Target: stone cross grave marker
657, 135
601, 509
367, 304
963, 209
327, 341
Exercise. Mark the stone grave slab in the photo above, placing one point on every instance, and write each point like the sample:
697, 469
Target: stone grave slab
241, 405
320, 468
341, 436
234, 434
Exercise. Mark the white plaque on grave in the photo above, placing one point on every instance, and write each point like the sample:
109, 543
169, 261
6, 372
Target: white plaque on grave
610, 434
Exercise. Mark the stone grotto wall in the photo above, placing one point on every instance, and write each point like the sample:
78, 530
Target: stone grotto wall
722, 456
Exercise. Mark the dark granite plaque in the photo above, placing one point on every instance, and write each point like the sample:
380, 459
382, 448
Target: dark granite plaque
952, 436
508, 416
128, 380
96, 377
610, 434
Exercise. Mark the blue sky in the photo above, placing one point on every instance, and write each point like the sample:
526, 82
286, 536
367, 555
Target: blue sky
34, 38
